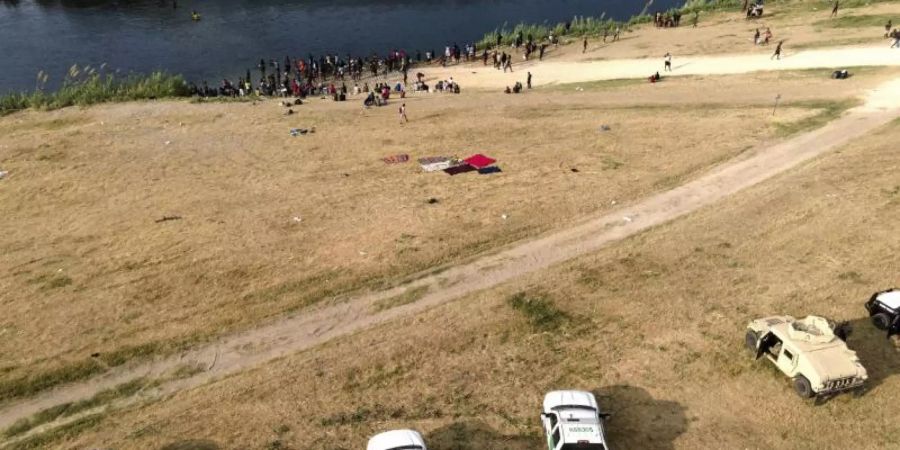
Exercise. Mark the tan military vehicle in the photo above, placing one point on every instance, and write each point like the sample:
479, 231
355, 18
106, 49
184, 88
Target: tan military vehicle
807, 350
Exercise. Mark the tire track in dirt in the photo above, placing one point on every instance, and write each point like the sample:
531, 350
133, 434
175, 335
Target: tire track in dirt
241, 351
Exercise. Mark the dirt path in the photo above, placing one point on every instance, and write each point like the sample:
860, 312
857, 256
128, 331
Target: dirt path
561, 72
242, 351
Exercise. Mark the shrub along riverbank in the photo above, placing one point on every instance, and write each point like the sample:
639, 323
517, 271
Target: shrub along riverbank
86, 87
588, 26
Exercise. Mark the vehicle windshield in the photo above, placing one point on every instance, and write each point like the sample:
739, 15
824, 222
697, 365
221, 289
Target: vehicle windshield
583, 446
585, 407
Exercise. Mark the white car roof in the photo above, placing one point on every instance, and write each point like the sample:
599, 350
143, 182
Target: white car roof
891, 299
407, 439
556, 399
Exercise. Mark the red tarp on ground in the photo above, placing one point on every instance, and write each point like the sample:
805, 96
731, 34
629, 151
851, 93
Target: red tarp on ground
479, 161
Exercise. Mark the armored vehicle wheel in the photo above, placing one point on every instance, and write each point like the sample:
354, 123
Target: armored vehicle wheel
881, 321
750, 341
802, 387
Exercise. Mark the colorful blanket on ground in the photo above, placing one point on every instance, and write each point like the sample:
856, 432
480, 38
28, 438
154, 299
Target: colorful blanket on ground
462, 168
396, 159
479, 161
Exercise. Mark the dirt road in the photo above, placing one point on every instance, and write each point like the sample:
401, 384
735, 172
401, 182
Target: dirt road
246, 350
561, 72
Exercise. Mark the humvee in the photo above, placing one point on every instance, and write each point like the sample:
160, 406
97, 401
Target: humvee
884, 309
807, 350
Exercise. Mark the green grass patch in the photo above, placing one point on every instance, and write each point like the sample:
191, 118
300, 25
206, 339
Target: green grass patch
539, 310
29, 385
599, 85
44, 440
25, 386
405, 298
69, 409
828, 111
861, 21
87, 86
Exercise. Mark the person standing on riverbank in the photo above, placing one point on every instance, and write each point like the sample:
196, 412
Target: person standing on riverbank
584, 49
403, 118
777, 54
834, 10
668, 62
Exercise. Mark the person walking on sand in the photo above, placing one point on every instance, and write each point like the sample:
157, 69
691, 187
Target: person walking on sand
616, 35
668, 62
834, 10
895, 35
403, 118
696, 18
777, 54
887, 28
528, 81
584, 48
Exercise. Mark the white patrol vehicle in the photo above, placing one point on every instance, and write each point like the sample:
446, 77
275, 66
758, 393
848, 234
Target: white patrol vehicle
397, 440
572, 421
884, 309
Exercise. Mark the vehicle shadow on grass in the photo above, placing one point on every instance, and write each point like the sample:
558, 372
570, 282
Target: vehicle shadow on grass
477, 435
878, 354
640, 421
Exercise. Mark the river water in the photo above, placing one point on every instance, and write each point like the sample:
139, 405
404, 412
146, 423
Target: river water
147, 35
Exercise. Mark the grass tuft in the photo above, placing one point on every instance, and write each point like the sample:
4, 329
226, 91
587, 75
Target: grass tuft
69, 409
540, 311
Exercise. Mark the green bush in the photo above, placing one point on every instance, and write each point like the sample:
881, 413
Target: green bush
87, 86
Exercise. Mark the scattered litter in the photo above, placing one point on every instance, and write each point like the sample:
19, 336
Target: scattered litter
298, 131
396, 159
840, 74
432, 201
605, 128
168, 218
435, 163
363, 253
289, 112
180, 124
574, 170
489, 170
627, 219
298, 219
612, 202
3, 174
346, 174
95, 355
579, 89
168, 142
504, 216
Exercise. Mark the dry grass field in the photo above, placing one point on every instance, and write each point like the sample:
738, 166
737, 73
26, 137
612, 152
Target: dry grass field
137, 230
85, 253
653, 325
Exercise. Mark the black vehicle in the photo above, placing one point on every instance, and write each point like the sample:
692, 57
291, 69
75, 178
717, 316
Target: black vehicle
884, 309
